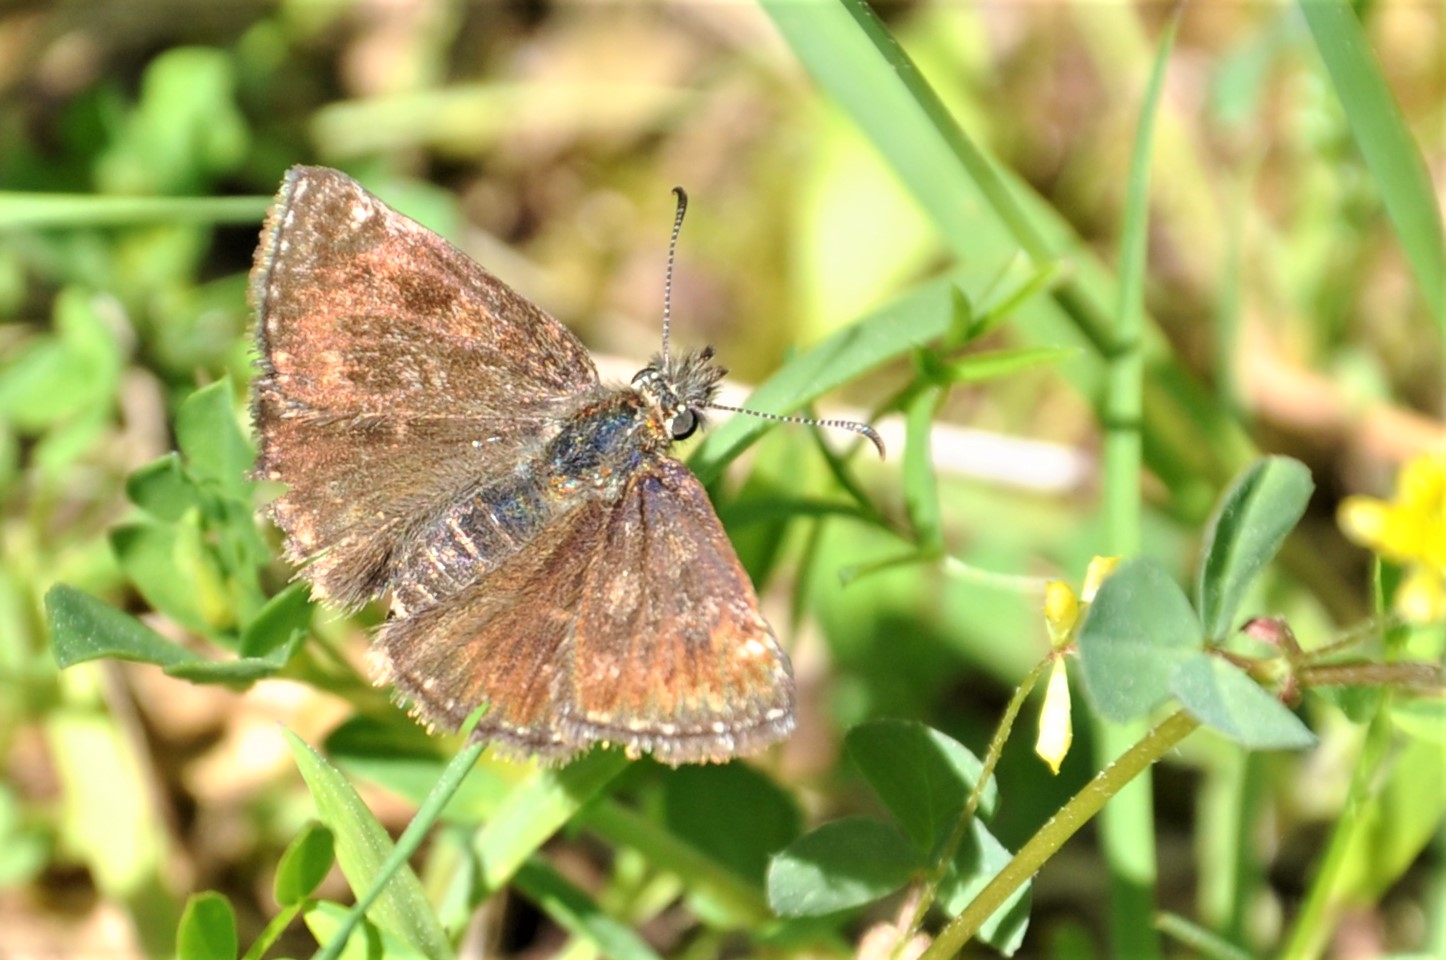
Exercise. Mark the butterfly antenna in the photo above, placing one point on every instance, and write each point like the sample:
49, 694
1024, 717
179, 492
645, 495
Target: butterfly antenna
862, 429
682, 196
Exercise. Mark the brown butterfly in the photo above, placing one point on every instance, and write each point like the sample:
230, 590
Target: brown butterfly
447, 442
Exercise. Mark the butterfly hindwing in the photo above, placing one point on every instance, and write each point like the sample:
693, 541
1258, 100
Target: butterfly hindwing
671, 653
628, 622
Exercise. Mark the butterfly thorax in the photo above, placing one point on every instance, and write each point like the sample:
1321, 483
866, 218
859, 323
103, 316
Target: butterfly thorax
599, 447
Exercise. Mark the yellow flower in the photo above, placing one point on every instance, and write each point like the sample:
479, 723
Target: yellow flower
1099, 569
1409, 530
1062, 611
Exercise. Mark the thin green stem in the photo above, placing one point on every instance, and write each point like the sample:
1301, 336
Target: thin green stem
1013, 582
31, 211
1053, 835
1127, 828
1316, 920
407, 844
273, 930
930, 890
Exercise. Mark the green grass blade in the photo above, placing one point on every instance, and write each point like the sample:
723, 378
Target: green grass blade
535, 810
1127, 834
578, 913
375, 868
891, 331
1384, 140
986, 216
32, 211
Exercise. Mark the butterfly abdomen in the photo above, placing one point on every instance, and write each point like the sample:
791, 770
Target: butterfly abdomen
468, 539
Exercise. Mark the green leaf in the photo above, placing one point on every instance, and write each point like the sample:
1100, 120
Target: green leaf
1385, 141
1002, 363
1260, 508
211, 441
162, 489
208, 929
1223, 698
577, 913
979, 859
1136, 630
149, 555
185, 129
843, 864
66, 375
412, 838
280, 624
733, 813
84, 628
304, 864
893, 330
361, 847
921, 775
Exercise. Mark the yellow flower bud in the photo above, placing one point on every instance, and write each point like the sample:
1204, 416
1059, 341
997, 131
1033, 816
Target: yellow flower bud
1056, 730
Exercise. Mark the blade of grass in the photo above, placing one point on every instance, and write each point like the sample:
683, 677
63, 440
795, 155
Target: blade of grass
1126, 826
895, 329
369, 859
21, 211
534, 810
986, 215
1384, 140
578, 913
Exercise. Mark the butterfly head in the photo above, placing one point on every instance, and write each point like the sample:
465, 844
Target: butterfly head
681, 388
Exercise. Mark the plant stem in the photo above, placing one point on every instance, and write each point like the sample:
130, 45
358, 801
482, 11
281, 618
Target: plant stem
1127, 828
1317, 917
930, 888
1063, 825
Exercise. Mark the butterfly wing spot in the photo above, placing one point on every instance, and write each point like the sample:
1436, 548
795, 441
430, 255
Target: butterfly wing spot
361, 212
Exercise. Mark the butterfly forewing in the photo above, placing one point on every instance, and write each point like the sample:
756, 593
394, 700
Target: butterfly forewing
361, 310
381, 347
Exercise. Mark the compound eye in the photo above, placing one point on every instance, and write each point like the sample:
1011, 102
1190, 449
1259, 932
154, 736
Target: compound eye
684, 425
